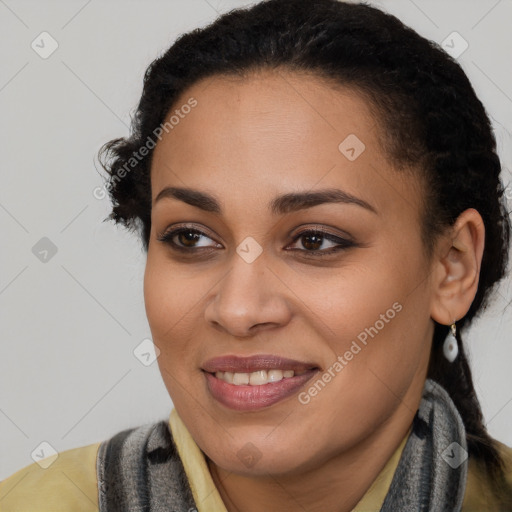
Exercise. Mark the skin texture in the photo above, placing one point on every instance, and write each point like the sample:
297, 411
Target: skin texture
247, 141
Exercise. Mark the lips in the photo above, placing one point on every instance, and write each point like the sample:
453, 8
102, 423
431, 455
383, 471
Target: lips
251, 364
243, 397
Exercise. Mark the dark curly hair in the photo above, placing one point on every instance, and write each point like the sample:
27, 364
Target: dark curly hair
431, 122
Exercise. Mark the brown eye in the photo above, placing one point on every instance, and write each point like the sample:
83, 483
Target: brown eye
312, 241
188, 238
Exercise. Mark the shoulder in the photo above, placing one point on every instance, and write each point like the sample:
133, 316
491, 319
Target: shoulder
68, 482
480, 495
80, 478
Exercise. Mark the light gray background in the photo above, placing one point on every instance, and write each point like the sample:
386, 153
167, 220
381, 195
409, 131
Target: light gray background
69, 326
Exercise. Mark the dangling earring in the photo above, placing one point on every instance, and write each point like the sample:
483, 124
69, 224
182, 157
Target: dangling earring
450, 347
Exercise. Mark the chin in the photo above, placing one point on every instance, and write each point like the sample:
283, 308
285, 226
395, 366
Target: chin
255, 456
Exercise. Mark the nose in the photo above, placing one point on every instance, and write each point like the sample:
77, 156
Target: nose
250, 298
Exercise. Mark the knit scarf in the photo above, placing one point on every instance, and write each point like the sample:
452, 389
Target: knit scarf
139, 469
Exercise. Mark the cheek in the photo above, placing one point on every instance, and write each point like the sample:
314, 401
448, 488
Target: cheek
348, 301
169, 303
374, 314
169, 306
169, 294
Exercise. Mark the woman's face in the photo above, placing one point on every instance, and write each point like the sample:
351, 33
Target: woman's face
313, 311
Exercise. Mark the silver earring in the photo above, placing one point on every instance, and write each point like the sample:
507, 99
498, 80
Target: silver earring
450, 347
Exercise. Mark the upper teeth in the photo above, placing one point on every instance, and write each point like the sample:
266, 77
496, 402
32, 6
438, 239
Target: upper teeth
255, 378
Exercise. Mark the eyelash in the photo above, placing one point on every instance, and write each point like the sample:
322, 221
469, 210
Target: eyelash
167, 238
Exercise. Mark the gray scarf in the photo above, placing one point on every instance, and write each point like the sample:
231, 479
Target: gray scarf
139, 469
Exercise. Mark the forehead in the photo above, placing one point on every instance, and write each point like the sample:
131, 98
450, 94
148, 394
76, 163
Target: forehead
267, 110
275, 131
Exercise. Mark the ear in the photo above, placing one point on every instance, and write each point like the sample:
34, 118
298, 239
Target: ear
456, 268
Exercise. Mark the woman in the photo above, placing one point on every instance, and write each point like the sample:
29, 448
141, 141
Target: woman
318, 191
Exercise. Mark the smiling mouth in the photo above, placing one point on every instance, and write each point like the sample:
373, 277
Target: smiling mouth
255, 382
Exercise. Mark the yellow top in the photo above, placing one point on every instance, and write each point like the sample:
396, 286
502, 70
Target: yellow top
69, 483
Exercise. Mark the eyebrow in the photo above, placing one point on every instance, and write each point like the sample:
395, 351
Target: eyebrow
280, 205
